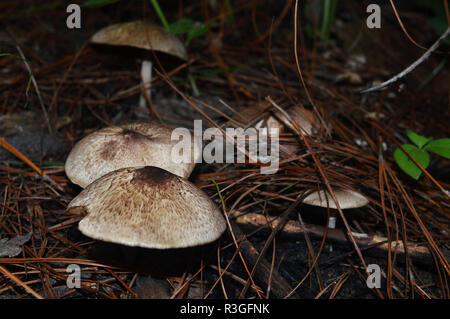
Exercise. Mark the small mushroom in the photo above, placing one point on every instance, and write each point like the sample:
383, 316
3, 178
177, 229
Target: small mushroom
346, 198
145, 36
304, 118
147, 207
130, 145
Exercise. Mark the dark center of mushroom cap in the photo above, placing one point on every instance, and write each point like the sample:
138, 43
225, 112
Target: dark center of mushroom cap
153, 176
127, 133
127, 137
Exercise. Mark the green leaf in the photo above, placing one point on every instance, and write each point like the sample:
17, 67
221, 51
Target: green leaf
182, 26
98, 3
419, 140
407, 165
440, 147
196, 32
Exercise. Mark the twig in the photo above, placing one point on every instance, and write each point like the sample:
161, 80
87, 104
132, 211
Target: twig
293, 228
410, 68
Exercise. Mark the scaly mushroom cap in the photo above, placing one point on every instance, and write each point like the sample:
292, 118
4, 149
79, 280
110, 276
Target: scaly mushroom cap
142, 35
130, 145
148, 207
346, 199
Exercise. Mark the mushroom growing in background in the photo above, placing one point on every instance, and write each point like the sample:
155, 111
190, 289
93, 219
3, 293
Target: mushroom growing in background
144, 36
346, 198
130, 145
304, 118
148, 207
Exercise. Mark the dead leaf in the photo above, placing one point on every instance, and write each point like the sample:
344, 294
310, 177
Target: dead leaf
12, 247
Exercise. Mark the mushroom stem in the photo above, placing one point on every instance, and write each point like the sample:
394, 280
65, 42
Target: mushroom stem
146, 77
332, 225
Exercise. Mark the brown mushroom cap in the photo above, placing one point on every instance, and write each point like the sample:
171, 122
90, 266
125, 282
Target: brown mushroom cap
142, 35
346, 198
148, 207
304, 118
130, 145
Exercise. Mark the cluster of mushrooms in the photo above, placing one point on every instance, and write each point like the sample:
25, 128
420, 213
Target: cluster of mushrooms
134, 194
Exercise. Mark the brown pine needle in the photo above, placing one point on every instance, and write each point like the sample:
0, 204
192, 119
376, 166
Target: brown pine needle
17, 153
19, 282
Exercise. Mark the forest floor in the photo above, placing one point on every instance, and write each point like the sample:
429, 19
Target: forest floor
244, 57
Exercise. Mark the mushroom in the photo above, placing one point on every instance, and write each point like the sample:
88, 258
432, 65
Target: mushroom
304, 118
346, 198
130, 145
147, 207
144, 36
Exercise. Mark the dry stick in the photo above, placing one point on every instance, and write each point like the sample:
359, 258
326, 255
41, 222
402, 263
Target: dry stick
20, 282
410, 68
294, 228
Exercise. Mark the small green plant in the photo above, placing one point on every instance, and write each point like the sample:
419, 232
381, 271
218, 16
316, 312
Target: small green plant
420, 152
30, 73
439, 20
328, 9
186, 26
